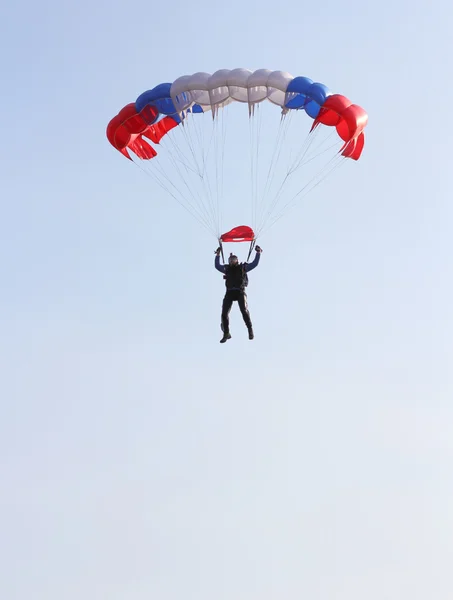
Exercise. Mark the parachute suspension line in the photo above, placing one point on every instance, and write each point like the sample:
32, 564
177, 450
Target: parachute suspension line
201, 139
199, 218
196, 124
191, 193
252, 166
168, 140
211, 187
174, 154
273, 159
311, 139
315, 156
215, 196
196, 208
194, 142
255, 131
216, 200
205, 153
305, 147
224, 134
258, 142
185, 126
316, 180
299, 162
204, 148
290, 170
281, 136
286, 119
219, 154
219, 134
335, 162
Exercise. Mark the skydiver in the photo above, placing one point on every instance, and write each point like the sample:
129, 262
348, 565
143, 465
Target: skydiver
236, 280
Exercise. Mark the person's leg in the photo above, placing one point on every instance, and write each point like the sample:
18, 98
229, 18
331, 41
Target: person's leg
242, 301
226, 308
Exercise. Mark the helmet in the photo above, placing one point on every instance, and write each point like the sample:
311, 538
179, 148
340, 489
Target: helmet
233, 260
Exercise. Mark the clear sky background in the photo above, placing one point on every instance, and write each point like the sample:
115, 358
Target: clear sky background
141, 459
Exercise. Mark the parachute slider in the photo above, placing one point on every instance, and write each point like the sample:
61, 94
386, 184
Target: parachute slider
242, 233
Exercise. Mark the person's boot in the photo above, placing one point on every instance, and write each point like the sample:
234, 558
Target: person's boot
226, 337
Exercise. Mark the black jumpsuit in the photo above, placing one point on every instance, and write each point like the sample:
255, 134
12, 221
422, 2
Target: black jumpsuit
235, 283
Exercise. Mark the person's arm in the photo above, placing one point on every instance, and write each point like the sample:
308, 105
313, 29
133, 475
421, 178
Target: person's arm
254, 263
217, 264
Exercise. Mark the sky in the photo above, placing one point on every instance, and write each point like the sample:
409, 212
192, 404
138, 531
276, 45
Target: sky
139, 457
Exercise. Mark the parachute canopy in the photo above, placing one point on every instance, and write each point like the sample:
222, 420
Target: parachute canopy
192, 170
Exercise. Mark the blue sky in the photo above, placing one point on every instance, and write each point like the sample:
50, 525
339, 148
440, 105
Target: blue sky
142, 459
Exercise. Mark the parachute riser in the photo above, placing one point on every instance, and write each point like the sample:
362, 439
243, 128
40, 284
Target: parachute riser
221, 251
252, 246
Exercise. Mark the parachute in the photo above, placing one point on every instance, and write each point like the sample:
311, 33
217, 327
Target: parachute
202, 136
